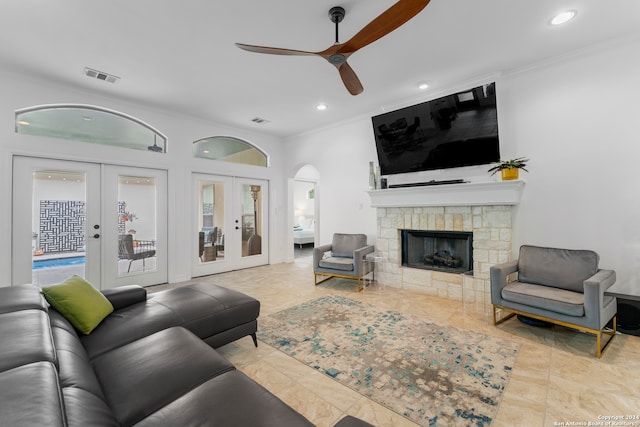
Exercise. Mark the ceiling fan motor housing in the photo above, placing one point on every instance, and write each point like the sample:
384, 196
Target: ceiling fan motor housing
336, 14
337, 58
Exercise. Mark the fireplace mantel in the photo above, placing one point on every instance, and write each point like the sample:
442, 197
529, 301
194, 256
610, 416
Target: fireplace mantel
465, 194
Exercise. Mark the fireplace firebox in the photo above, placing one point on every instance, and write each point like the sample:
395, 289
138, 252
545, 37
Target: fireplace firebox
447, 251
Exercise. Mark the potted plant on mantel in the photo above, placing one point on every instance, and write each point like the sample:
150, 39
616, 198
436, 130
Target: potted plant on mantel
509, 168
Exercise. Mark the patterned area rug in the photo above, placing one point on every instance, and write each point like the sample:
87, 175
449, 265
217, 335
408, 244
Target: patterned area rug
431, 374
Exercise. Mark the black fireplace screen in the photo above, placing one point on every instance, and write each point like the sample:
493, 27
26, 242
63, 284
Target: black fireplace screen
448, 251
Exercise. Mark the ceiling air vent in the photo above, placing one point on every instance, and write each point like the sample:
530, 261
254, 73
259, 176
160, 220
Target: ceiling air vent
100, 75
260, 120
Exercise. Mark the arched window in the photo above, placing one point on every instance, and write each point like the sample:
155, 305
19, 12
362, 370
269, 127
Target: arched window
92, 124
230, 149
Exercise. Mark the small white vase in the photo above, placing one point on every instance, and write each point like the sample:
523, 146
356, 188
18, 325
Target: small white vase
372, 177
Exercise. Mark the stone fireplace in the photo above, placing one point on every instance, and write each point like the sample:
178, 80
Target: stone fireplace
482, 211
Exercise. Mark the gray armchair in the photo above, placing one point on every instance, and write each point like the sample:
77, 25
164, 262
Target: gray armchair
562, 286
344, 258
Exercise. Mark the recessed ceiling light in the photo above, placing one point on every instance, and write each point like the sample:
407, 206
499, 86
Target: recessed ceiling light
423, 86
321, 107
563, 17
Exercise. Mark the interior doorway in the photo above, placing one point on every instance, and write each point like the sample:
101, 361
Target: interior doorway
304, 221
305, 209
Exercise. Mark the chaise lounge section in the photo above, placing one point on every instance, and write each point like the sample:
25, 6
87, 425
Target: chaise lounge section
215, 314
149, 363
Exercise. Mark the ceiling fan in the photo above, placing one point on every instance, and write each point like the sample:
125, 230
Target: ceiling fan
337, 54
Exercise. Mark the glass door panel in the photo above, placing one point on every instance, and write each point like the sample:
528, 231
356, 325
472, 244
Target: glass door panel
135, 208
137, 228
211, 222
251, 208
56, 221
251, 196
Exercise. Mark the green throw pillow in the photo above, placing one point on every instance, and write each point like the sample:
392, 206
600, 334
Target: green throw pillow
79, 302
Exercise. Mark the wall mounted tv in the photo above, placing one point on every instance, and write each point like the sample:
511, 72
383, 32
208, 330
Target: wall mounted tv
452, 131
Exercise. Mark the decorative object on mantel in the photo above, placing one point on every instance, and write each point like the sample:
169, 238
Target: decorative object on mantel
374, 177
509, 168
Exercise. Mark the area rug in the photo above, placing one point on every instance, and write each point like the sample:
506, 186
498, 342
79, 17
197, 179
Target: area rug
432, 374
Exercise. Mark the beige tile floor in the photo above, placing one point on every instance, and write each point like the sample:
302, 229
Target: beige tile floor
556, 379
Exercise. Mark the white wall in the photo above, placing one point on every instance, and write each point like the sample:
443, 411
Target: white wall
578, 122
341, 156
575, 118
20, 92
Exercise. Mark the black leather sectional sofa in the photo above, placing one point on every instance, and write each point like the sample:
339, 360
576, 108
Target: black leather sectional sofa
150, 363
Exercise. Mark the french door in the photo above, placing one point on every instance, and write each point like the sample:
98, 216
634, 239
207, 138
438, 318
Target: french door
102, 222
229, 224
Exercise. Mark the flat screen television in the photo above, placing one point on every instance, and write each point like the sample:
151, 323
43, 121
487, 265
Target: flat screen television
449, 132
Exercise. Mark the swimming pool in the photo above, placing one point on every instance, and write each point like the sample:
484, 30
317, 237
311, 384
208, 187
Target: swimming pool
57, 262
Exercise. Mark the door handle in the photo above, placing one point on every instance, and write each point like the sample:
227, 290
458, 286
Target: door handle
96, 236
237, 228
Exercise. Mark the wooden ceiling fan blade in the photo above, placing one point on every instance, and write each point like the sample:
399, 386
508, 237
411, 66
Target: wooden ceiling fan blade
273, 50
385, 23
350, 79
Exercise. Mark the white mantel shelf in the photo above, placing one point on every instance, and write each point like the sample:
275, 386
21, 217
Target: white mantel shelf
464, 194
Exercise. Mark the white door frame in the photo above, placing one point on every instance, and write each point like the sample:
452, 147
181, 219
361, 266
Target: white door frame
101, 190
233, 259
